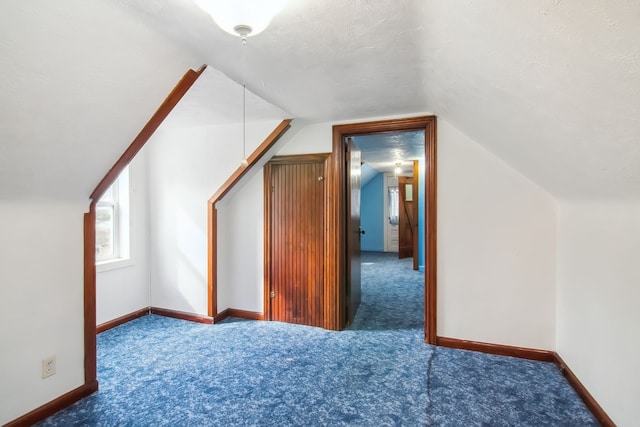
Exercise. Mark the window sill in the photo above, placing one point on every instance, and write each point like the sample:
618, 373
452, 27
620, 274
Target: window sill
113, 264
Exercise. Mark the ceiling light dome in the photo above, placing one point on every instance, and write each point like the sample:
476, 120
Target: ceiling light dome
244, 18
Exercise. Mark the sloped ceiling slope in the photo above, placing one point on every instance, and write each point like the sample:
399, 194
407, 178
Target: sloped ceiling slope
78, 80
215, 100
552, 87
320, 60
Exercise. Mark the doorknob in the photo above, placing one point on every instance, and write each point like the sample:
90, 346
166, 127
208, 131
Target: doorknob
361, 230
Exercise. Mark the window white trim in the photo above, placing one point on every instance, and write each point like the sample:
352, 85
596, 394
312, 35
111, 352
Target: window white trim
113, 264
121, 227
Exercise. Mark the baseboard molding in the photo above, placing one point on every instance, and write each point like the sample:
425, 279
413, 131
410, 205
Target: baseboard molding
240, 314
499, 349
121, 320
534, 354
54, 406
181, 315
584, 394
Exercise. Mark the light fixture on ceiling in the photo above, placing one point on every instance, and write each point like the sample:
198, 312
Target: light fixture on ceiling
246, 17
398, 169
242, 18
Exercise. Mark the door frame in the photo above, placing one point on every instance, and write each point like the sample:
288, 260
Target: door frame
337, 193
323, 158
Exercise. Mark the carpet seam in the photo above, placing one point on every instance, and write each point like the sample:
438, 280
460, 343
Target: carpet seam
429, 376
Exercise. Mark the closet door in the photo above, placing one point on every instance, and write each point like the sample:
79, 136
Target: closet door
294, 245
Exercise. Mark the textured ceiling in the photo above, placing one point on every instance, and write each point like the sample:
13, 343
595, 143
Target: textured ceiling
551, 87
382, 151
214, 100
319, 60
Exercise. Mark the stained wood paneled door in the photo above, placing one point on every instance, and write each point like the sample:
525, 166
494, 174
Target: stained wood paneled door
294, 245
407, 218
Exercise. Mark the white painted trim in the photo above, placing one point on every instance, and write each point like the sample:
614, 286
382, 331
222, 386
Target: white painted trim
113, 264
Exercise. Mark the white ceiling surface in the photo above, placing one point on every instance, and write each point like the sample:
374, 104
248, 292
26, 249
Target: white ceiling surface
552, 87
382, 151
214, 100
78, 81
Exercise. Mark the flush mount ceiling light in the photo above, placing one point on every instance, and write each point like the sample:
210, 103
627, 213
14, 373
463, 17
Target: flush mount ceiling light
244, 18
398, 169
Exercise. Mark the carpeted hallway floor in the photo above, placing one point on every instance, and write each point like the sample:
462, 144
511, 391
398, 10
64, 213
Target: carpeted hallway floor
378, 372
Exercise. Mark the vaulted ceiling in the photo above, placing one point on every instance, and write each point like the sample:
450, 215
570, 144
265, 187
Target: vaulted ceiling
552, 87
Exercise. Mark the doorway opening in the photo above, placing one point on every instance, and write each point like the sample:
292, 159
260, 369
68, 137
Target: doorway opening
392, 182
344, 226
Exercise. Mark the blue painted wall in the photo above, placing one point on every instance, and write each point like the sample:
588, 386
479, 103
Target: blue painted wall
372, 214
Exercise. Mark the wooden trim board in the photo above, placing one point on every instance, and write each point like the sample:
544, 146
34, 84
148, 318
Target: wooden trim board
239, 314
183, 315
538, 355
499, 349
122, 320
90, 339
154, 310
55, 405
584, 394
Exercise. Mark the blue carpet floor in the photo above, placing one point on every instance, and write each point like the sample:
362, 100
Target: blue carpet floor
160, 371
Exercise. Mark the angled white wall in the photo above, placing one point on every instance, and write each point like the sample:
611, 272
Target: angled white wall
125, 289
598, 295
186, 167
241, 248
75, 93
41, 302
496, 248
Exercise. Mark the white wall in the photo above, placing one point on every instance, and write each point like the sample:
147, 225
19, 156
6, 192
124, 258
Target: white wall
598, 295
186, 167
41, 302
241, 248
496, 248
124, 290
496, 243
313, 138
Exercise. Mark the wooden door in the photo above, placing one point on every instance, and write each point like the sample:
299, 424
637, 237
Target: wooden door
354, 232
407, 218
294, 244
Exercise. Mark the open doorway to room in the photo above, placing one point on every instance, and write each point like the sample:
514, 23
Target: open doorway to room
424, 130
391, 245
391, 194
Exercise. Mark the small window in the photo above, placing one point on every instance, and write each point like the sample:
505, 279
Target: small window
394, 205
112, 221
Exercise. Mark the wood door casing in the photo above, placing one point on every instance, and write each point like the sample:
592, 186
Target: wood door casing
336, 217
295, 197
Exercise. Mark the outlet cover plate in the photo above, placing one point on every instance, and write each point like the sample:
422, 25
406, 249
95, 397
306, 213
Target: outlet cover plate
48, 367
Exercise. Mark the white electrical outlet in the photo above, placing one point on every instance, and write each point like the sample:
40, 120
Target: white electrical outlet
48, 367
